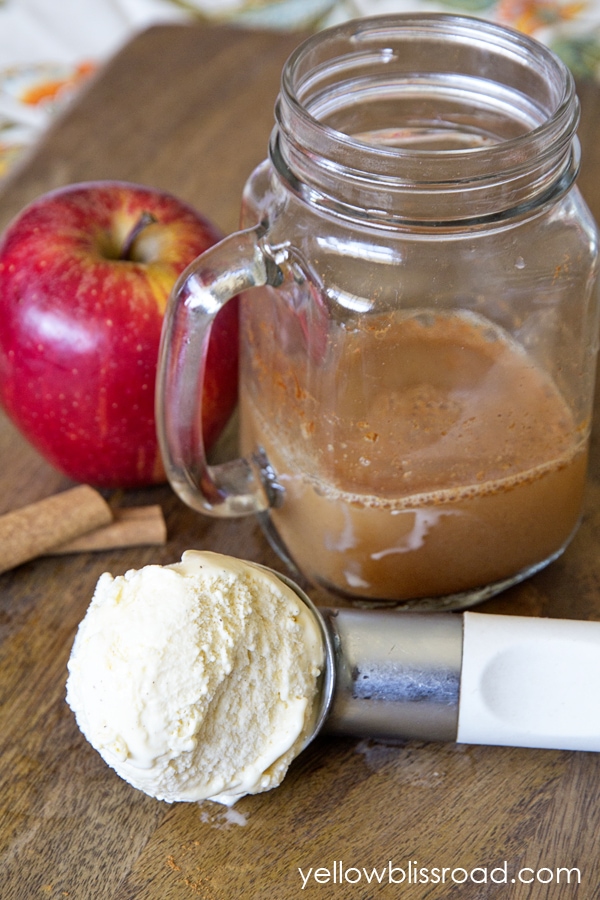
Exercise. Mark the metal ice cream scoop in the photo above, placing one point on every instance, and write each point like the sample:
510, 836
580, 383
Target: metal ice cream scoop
472, 677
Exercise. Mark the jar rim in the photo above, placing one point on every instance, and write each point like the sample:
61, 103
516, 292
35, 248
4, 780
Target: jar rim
502, 109
564, 117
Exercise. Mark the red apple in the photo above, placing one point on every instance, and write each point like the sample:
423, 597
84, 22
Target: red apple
85, 274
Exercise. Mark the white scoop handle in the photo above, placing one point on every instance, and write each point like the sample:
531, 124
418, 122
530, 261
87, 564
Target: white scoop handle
530, 682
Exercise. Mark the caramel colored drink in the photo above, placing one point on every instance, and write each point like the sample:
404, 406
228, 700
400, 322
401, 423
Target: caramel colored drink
441, 459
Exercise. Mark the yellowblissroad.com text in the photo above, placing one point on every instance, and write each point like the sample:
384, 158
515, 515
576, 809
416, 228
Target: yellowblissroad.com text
412, 873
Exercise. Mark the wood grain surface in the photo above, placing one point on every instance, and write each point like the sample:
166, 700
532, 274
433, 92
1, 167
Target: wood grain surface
189, 109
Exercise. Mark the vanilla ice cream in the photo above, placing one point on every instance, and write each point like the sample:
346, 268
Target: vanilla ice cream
197, 680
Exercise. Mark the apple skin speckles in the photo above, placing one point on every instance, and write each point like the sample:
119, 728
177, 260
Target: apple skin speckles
81, 305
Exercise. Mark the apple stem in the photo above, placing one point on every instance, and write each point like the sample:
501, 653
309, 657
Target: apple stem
144, 220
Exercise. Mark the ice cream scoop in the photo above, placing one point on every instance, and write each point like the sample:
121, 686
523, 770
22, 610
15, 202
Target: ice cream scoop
473, 678
206, 678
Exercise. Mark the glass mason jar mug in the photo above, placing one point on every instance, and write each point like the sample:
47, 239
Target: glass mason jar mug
419, 317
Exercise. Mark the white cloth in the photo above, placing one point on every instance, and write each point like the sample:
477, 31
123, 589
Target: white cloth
44, 31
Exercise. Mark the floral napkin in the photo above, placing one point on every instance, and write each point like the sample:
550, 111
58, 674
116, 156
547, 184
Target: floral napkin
47, 49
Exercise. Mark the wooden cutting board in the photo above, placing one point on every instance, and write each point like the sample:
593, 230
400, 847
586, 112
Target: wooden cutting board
189, 109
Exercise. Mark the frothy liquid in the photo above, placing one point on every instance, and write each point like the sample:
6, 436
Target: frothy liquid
432, 458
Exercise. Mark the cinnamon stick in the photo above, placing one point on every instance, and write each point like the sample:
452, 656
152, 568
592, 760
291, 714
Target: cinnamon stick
131, 527
34, 529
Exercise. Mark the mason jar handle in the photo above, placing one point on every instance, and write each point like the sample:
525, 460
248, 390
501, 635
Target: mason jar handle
241, 486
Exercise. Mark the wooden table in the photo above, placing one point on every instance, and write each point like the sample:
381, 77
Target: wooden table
189, 109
